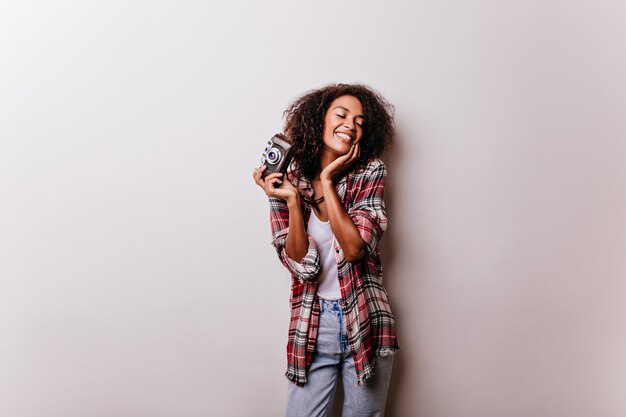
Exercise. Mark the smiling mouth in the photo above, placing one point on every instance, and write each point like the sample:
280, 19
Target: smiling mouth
344, 137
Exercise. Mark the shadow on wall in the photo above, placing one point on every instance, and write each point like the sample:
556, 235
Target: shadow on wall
389, 250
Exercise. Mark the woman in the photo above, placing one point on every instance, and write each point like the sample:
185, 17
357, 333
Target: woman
327, 218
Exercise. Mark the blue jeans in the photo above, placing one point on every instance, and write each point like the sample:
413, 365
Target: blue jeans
331, 359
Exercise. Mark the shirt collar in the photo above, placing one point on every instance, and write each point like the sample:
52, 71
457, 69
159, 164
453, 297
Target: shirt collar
305, 186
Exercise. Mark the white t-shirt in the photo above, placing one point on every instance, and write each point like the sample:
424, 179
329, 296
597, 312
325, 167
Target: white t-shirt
322, 234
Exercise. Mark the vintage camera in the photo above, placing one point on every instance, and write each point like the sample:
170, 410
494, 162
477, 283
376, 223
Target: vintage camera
277, 154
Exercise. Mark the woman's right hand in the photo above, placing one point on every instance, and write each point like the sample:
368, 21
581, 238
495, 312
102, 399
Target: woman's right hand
284, 190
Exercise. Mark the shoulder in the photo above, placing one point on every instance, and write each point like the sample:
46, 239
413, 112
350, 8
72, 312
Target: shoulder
368, 180
374, 169
376, 164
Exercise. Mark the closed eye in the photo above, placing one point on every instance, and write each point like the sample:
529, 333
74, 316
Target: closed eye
343, 116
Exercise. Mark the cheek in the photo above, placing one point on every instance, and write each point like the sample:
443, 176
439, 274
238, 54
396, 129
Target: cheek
327, 134
328, 121
329, 126
328, 130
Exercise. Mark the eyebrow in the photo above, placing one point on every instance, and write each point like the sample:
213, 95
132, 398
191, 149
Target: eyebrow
341, 107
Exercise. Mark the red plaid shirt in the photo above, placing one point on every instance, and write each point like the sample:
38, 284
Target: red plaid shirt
370, 323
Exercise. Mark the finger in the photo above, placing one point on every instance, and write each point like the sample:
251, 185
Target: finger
260, 169
354, 154
270, 185
350, 155
257, 178
272, 180
274, 175
289, 185
260, 182
345, 156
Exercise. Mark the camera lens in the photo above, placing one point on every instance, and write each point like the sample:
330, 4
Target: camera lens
273, 156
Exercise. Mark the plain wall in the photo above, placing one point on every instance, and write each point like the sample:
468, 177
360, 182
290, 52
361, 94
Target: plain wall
136, 272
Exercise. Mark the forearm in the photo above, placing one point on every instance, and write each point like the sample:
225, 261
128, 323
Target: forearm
297, 240
343, 227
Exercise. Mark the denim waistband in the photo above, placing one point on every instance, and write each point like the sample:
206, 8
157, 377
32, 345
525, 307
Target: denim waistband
334, 308
333, 305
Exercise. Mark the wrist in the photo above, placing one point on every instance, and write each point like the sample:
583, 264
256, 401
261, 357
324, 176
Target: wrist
325, 179
327, 183
293, 202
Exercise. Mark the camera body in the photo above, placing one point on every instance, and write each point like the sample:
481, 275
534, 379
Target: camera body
277, 154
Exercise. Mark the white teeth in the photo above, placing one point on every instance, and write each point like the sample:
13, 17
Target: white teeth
344, 136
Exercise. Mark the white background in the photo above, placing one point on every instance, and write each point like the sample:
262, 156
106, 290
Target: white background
136, 272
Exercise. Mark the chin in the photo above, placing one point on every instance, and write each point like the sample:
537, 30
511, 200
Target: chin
343, 147
341, 150
338, 147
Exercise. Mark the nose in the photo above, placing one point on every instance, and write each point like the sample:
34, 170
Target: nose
349, 123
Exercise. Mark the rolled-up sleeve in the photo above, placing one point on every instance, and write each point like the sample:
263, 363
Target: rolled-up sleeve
309, 266
368, 211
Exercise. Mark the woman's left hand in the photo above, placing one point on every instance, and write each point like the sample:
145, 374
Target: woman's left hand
342, 163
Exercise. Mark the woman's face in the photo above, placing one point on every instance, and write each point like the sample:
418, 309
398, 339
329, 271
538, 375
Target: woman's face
343, 125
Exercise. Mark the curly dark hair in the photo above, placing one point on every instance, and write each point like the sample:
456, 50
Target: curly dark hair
304, 124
